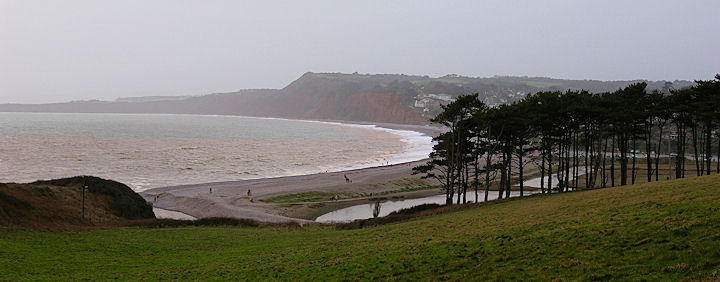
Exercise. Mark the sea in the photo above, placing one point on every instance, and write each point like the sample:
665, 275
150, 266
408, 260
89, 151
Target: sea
156, 150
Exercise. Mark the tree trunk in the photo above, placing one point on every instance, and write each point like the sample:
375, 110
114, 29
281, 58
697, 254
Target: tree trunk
542, 170
695, 148
623, 145
708, 145
678, 151
561, 167
595, 163
509, 175
520, 170
634, 154
588, 156
682, 149
576, 161
657, 153
488, 164
449, 189
503, 171
648, 148
460, 183
567, 162
612, 164
550, 158
604, 174
465, 184
476, 168
702, 152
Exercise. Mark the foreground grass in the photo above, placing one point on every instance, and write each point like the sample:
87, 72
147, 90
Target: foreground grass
659, 231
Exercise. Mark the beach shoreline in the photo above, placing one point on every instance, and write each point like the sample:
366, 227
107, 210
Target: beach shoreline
147, 151
231, 199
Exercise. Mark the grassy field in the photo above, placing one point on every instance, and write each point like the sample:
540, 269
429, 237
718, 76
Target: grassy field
658, 231
665, 172
311, 196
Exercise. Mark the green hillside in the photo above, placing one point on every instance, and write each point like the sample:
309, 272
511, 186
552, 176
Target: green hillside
659, 231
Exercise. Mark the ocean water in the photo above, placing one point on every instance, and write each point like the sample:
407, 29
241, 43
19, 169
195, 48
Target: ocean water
155, 150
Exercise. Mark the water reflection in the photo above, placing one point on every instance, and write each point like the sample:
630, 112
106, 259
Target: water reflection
378, 208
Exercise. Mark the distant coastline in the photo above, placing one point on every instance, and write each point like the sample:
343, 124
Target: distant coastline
377, 98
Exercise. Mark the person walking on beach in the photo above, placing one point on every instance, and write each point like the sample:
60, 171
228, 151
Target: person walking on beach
248, 193
347, 180
210, 190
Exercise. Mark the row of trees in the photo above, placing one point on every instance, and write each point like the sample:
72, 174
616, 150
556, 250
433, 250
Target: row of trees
574, 134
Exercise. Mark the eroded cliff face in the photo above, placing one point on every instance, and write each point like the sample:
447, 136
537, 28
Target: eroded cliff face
314, 97
381, 107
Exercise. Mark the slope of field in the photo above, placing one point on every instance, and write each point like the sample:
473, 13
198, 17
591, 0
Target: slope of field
657, 231
58, 204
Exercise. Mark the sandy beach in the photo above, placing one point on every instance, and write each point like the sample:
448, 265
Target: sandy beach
230, 199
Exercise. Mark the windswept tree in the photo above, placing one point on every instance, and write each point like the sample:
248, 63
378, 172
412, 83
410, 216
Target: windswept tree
572, 133
453, 152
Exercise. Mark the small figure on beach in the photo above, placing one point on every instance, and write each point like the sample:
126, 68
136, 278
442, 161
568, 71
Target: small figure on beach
249, 193
156, 197
210, 190
347, 180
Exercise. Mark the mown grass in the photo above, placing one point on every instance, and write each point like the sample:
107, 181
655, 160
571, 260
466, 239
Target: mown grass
658, 231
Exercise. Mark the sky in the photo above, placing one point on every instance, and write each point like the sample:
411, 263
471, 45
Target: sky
54, 51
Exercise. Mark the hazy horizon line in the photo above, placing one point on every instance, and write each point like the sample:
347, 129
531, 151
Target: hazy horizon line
211, 92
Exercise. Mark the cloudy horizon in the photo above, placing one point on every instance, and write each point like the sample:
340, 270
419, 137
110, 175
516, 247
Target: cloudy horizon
55, 51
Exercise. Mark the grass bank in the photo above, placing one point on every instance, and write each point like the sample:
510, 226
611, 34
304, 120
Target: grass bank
658, 231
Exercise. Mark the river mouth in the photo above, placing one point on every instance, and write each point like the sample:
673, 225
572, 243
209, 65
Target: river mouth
169, 214
366, 211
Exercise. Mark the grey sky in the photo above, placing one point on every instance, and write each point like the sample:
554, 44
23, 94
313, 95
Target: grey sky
70, 50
